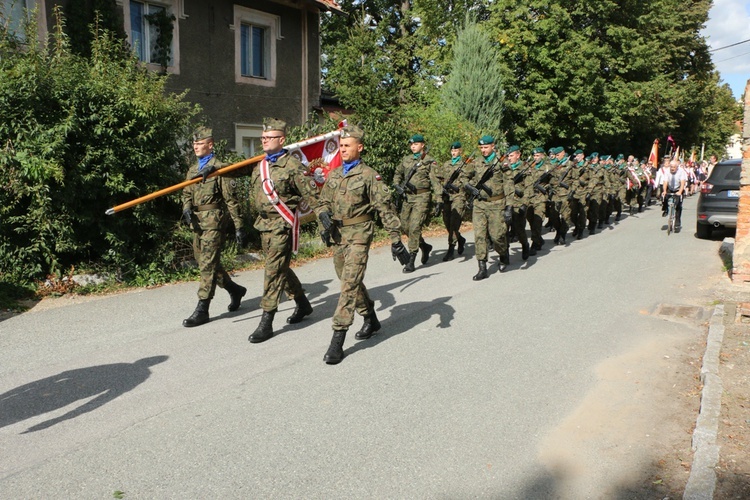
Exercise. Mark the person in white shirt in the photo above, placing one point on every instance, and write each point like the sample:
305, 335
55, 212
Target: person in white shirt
674, 184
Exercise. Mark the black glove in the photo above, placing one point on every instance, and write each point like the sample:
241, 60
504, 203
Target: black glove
398, 251
471, 190
438, 209
209, 169
508, 214
326, 221
187, 214
399, 189
239, 238
588, 198
522, 210
326, 237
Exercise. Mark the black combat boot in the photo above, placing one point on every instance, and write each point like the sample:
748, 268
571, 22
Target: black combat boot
525, 251
335, 352
449, 254
371, 326
199, 316
504, 261
265, 328
236, 292
461, 243
532, 250
302, 309
426, 249
482, 270
409, 268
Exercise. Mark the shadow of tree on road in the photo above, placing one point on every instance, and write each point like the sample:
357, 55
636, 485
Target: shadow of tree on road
106, 382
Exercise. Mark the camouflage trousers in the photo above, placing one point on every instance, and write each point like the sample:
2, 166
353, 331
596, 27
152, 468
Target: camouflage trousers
413, 215
350, 262
207, 251
518, 226
560, 216
453, 214
278, 277
489, 227
535, 217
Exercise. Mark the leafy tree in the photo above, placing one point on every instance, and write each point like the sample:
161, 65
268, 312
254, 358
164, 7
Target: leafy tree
77, 136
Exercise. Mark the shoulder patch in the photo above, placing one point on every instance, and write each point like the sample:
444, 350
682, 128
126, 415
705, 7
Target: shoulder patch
378, 178
233, 183
312, 183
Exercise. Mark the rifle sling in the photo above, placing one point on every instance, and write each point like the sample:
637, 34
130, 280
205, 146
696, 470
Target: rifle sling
352, 221
210, 206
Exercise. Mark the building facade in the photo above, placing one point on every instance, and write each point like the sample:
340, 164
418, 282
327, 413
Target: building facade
240, 60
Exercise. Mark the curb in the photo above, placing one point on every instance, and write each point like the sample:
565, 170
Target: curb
702, 481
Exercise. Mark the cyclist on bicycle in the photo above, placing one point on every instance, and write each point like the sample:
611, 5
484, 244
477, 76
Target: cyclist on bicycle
674, 185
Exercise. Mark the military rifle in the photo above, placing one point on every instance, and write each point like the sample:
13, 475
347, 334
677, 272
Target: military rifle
543, 179
407, 186
475, 190
450, 188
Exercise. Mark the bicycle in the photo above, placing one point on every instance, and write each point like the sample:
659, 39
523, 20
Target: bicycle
672, 210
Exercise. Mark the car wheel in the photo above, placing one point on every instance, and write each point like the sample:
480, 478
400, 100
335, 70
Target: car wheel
703, 231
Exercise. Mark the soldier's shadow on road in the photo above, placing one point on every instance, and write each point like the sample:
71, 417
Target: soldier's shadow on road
106, 382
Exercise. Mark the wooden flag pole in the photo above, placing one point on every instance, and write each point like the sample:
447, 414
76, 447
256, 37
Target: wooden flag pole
234, 166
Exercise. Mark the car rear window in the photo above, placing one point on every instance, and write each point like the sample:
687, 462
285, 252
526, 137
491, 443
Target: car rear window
726, 173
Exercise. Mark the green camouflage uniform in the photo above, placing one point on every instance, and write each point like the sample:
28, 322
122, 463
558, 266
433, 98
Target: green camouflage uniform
599, 186
579, 180
352, 201
212, 202
537, 201
561, 182
292, 185
487, 217
454, 203
518, 199
416, 206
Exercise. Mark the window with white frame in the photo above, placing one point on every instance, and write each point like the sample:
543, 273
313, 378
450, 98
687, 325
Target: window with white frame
255, 38
143, 30
247, 140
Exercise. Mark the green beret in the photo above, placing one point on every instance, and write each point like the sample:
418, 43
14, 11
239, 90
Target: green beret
416, 138
620, 156
558, 150
456, 145
551, 151
594, 155
202, 133
486, 139
512, 149
578, 152
605, 157
352, 131
270, 124
537, 150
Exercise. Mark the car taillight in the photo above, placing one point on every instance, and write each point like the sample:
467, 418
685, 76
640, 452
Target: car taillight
706, 188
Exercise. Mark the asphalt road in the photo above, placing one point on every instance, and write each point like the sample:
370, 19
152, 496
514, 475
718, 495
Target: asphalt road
457, 396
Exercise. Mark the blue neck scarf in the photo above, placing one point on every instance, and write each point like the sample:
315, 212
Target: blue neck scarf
202, 162
455, 160
275, 157
348, 165
490, 158
417, 156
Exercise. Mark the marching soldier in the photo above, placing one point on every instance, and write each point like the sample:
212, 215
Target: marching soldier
348, 201
580, 193
517, 177
635, 186
453, 202
538, 178
560, 212
279, 184
599, 186
416, 182
207, 207
489, 191
621, 169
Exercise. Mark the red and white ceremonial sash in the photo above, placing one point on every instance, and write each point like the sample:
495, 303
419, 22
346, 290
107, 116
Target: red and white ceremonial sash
292, 218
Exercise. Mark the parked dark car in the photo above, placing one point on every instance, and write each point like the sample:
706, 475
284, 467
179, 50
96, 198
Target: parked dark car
719, 198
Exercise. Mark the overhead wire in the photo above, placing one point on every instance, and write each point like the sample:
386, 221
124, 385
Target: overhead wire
732, 45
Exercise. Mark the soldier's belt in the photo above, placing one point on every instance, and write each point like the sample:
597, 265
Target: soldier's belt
210, 206
421, 191
496, 198
352, 221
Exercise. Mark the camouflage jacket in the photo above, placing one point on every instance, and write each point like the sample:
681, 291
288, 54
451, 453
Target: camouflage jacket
291, 185
537, 196
498, 183
218, 190
444, 173
521, 192
598, 180
361, 192
424, 178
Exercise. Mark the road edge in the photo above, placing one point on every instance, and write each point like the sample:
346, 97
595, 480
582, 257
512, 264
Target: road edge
702, 481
